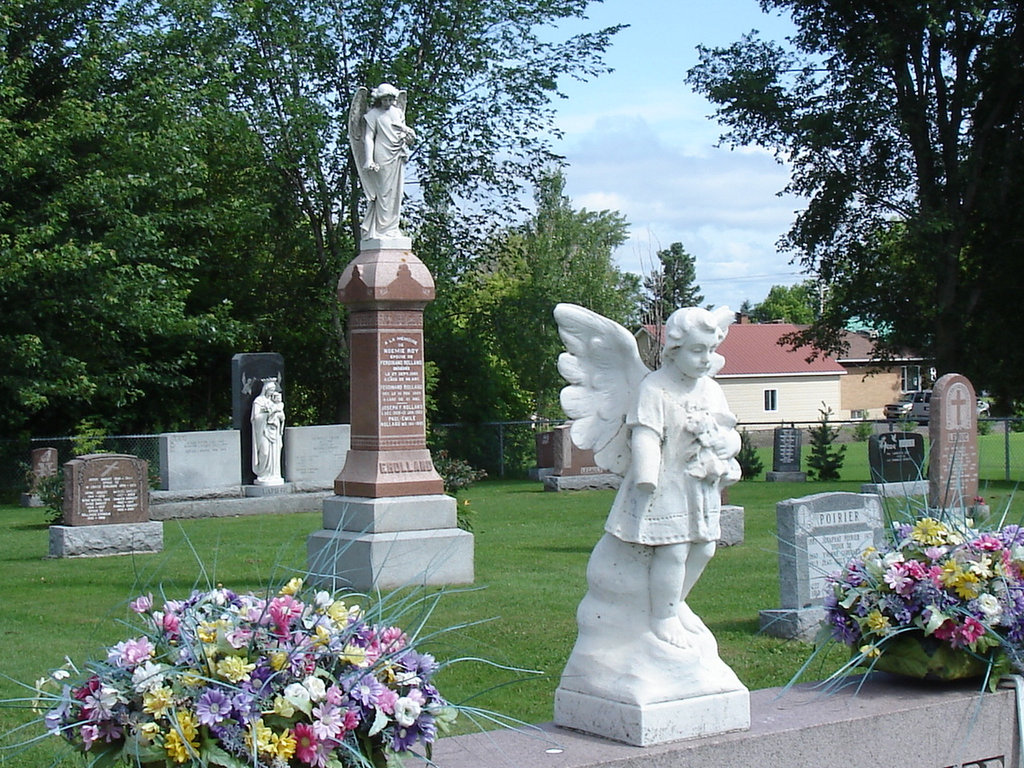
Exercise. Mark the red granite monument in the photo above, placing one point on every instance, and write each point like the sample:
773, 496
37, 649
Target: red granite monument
386, 291
389, 523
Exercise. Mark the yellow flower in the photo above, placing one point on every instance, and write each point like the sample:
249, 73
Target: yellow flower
193, 678
323, 637
181, 743
293, 586
283, 707
964, 583
207, 630
156, 701
148, 730
337, 611
929, 532
877, 621
353, 655
234, 669
283, 744
278, 660
870, 651
264, 738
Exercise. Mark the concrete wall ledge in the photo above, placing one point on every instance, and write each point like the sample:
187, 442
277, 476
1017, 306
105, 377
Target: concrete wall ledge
232, 507
887, 722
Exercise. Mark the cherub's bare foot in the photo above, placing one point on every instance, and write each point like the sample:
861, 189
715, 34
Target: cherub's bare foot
690, 620
672, 631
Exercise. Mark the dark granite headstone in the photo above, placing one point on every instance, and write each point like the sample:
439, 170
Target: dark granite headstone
896, 457
786, 454
106, 488
545, 442
248, 372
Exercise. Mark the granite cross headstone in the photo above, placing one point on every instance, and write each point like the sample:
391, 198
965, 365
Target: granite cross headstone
953, 433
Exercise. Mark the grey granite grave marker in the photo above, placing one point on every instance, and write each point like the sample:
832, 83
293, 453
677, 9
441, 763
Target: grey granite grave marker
315, 455
199, 460
248, 372
818, 535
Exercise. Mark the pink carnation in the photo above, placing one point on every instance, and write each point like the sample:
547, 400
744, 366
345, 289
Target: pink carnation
131, 653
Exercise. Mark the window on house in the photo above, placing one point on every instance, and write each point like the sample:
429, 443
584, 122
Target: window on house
771, 399
910, 378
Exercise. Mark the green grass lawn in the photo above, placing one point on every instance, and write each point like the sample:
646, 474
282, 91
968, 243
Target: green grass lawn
532, 549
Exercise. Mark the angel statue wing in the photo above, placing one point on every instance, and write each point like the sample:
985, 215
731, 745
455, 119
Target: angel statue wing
603, 367
356, 134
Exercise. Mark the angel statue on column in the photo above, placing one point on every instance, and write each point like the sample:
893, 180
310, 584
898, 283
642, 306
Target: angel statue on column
380, 142
670, 435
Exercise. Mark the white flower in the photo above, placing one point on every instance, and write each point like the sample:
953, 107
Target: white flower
317, 689
297, 695
989, 605
406, 711
148, 676
322, 600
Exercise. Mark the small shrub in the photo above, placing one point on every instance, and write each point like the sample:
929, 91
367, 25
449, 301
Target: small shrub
458, 475
750, 463
863, 430
50, 490
984, 426
826, 458
88, 438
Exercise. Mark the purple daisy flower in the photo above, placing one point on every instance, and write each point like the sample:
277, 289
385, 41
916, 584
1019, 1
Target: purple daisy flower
213, 707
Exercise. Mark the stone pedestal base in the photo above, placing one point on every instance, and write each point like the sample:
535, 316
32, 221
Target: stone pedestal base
598, 482
792, 623
104, 540
255, 491
910, 489
785, 477
31, 500
388, 543
651, 724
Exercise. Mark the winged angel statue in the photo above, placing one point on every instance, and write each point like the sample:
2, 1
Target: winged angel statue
670, 434
380, 142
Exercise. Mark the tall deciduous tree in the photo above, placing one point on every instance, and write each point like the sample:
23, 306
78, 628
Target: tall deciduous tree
176, 186
789, 303
901, 119
561, 254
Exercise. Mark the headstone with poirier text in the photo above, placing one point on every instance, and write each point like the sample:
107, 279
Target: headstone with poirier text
817, 535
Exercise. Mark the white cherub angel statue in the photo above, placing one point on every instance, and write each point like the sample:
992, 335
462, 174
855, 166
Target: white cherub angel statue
380, 142
671, 435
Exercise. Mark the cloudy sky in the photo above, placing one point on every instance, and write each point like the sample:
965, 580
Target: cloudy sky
639, 141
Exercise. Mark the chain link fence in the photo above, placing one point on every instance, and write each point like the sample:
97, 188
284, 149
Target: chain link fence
508, 448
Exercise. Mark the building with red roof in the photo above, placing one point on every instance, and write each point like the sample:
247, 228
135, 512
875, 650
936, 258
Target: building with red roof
767, 382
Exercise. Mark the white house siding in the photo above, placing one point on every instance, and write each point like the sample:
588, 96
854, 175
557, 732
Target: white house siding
799, 398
